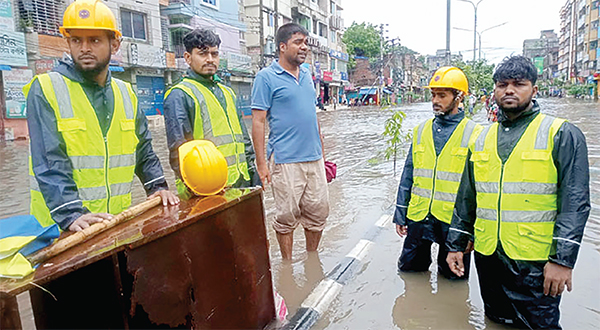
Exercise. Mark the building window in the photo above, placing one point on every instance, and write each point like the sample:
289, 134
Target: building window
315, 28
305, 22
41, 16
133, 24
210, 2
332, 8
332, 36
322, 30
332, 64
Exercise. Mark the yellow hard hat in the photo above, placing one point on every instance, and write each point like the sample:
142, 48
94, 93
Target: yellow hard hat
89, 15
203, 167
449, 77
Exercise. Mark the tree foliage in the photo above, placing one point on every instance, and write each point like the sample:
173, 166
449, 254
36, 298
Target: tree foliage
362, 40
479, 73
394, 135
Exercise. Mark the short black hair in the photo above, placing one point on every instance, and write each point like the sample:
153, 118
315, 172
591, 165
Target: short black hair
201, 39
516, 67
286, 31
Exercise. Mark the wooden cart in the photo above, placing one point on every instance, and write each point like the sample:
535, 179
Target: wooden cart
203, 264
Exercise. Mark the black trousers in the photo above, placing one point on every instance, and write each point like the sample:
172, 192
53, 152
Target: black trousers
416, 252
513, 292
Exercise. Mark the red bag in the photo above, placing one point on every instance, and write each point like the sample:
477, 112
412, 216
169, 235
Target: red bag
330, 170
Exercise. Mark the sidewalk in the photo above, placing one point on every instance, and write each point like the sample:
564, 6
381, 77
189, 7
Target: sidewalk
330, 107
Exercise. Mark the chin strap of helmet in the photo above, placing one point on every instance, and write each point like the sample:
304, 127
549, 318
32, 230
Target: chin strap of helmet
452, 105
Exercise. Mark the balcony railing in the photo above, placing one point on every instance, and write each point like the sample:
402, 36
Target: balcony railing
336, 22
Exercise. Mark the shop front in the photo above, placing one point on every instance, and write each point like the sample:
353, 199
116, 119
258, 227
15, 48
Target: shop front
15, 75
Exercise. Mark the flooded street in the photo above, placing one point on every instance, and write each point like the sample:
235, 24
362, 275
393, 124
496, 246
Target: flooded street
365, 189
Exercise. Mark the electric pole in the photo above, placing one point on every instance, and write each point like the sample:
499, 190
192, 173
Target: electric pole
276, 23
261, 35
448, 56
381, 82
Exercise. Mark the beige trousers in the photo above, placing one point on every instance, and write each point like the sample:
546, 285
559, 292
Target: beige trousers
300, 193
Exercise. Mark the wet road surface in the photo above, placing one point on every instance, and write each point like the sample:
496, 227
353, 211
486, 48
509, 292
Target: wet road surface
377, 297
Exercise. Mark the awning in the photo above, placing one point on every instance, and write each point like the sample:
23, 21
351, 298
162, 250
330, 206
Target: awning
368, 90
387, 91
5, 68
116, 68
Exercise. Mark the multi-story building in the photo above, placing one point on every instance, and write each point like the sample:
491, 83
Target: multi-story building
567, 40
544, 52
142, 60
438, 60
225, 18
578, 46
322, 18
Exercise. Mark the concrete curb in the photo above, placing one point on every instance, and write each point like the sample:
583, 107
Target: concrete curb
318, 301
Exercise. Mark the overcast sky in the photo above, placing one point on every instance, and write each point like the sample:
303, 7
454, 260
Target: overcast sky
421, 24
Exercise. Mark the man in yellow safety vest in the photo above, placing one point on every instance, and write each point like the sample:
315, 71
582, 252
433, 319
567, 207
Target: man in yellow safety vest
524, 201
432, 174
200, 107
88, 137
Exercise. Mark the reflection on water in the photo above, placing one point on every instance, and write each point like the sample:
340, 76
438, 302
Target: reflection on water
420, 306
378, 298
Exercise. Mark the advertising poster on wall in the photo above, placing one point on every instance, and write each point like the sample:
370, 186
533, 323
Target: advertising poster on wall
14, 80
7, 23
12, 48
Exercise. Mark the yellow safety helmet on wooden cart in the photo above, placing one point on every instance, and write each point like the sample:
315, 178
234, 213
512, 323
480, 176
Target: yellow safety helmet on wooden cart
203, 167
89, 15
450, 77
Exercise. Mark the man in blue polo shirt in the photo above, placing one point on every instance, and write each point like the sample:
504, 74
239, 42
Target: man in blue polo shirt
284, 95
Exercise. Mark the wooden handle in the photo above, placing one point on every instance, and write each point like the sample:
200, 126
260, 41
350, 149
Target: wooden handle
91, 231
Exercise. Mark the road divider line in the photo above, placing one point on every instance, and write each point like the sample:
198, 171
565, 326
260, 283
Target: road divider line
318, 301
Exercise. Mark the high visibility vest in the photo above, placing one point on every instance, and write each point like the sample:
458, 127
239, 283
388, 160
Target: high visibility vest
437, 196
517, 201
103, 167
221, 126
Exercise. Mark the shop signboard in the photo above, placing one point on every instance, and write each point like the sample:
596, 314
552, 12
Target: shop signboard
14, 81
339, 55
239, 62
539, 64
147, 55
317, 70
12, 49
43, 66
327, 76
7, 23
344, 76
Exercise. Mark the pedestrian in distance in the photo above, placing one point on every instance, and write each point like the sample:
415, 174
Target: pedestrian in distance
432, 174
201, 107
88, 136
523, 200
284, 95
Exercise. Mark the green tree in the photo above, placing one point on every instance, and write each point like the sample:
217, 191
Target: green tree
362, 40
479, 73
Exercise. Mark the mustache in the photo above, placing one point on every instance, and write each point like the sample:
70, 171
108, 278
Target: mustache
86, 56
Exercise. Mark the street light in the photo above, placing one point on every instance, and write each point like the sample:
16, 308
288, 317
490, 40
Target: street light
480, 33
475, 24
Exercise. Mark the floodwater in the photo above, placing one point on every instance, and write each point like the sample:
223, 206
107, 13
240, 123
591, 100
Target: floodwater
365, 189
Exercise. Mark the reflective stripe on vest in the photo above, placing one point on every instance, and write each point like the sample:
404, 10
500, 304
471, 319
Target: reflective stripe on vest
447, 169
517, 201
103, 167
221, 126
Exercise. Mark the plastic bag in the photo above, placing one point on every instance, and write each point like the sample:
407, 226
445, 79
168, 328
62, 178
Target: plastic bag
330, 170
